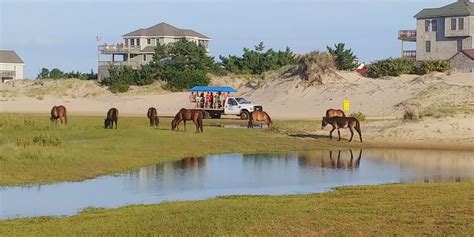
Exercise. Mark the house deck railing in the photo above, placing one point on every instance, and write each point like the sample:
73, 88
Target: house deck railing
409, 54
118, 48
407, 35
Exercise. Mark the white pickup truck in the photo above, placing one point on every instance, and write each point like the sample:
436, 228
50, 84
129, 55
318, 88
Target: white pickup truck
238, 106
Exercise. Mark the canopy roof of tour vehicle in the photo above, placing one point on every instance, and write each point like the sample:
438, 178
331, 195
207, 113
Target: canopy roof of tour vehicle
213, 89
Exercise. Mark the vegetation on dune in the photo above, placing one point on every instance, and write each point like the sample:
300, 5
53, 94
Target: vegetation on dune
358, 115
399, 66
42, 152
56, 73
401, 209
313, 67
257, 61
344, 58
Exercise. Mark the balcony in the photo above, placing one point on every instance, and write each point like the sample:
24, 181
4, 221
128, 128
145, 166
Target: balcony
409, 54
109, 64
118, 49
407, 35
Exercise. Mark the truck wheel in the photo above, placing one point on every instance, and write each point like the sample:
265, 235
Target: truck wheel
244, 115
216, 115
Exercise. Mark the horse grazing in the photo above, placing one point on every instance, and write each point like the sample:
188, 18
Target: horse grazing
335, 113
188, 114
58, 112
259, 116
112, 116
342, 122
153, 117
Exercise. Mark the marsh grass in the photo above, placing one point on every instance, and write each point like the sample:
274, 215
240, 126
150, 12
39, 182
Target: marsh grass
43, 153
387, 210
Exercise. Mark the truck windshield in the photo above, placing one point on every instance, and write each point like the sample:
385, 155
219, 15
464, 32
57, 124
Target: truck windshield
242, 100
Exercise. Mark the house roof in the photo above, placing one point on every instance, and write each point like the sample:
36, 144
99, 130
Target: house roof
164, 29
469, 53
9, 56
459, 8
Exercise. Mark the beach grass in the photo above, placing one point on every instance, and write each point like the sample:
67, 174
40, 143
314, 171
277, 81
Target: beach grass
32, 150
386, 210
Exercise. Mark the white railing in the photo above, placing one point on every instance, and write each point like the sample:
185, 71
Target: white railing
118, 48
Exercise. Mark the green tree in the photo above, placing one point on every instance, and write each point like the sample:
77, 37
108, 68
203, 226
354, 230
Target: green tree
345, 59
258, 60
44, 73
56, 74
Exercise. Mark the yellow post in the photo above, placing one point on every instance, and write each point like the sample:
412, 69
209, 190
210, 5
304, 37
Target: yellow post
346, 105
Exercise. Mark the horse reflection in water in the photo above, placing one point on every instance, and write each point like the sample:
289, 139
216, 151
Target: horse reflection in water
332, 162
190, 163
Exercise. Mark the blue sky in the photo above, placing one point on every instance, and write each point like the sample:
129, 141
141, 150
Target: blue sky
63, 33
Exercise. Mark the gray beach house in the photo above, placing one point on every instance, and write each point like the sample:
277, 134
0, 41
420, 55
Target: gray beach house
11, 66
445, 33
138, 46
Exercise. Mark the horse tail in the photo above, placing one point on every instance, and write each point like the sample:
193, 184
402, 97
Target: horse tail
250, 124
54, 112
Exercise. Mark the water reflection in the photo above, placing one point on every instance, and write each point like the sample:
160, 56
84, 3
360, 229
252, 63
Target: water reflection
332, 161
232, 174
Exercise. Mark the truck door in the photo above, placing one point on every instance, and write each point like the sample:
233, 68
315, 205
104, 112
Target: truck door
231, 106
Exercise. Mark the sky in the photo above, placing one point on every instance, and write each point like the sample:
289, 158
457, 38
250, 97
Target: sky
62, 33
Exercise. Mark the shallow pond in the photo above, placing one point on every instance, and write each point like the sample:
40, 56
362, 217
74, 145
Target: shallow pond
235, 174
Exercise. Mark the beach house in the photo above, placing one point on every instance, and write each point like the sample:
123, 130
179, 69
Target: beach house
138, 46
444, 33
11, 66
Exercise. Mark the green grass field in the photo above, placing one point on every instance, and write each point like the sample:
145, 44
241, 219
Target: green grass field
402, 209
34, 151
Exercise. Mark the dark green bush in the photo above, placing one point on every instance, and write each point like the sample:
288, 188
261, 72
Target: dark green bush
391, 67
257, 61
186, 79
425, 67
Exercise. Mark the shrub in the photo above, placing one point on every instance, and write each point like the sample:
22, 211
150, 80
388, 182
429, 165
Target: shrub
315, 64
345, 59
186, 79
433, 66
411, 113
358, 115
257, 61
391, 67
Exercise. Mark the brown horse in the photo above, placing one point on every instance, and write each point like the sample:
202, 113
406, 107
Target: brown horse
58, 112
259, 116
153, 117
112, 116
188, 114
342, 122
335, 113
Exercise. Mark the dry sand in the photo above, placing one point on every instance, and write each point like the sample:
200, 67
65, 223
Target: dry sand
382, 100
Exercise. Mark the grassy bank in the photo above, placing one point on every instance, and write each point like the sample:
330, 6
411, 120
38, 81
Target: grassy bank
402, 209
34, 151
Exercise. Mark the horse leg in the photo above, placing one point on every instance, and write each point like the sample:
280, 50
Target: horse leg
116, 124
360, 133
330, 133
184, 121
339, 134
352, 133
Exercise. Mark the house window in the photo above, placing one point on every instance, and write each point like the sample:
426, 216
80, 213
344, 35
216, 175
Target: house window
138, 42
427, 25
461, 23
144, 57
148, 41
132, 42
453, 23
459, 45
434, 25
428, 46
